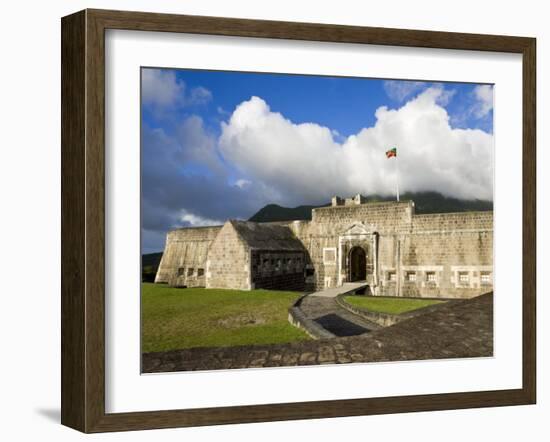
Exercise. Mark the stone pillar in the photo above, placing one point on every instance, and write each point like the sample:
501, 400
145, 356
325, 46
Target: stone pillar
375, 258
340, 279
398, 268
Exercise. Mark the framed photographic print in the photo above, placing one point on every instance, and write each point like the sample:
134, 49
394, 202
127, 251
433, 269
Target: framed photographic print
269, 220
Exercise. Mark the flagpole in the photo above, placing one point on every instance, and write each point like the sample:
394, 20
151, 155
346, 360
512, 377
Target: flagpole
397, 176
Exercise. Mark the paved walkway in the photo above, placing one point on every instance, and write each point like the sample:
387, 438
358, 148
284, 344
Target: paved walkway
456, 330
347, 287
327, 313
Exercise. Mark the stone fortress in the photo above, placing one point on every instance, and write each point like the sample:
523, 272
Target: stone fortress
397, 252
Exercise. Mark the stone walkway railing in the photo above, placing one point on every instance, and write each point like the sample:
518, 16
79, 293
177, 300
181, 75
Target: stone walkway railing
386, 319
321, 317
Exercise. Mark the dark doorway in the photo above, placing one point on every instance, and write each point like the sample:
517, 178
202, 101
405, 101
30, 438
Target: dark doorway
357, 264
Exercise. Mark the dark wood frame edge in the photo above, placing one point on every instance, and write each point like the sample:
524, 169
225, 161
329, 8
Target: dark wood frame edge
83, 215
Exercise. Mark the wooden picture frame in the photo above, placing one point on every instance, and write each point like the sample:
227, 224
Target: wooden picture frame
83, 220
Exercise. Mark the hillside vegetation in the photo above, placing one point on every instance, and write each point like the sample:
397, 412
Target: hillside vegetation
425, 202
149, 265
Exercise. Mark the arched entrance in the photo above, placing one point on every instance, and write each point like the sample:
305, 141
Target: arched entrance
357, 264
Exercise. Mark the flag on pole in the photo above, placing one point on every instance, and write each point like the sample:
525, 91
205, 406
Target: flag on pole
390, 154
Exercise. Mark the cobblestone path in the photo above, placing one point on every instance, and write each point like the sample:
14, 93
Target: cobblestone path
456, 330
328, 314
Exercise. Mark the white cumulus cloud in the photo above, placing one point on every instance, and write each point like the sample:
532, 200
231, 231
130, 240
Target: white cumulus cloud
484, 97
304, 162
242, 183
160, 88
195, 220
399, 90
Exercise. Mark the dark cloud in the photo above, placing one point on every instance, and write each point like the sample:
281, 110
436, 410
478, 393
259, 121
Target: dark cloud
184, 183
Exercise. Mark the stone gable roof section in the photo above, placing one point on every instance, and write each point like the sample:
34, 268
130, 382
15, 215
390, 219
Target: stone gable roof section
193, 233
263, 236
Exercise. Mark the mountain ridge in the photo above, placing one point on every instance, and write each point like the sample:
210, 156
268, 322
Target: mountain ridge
425, 203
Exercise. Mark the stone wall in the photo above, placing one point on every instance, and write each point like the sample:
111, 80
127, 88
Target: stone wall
321, 237
444, 255
278, 270
448, 264
228, 264
183, 262
444, 222
439, 255
386, 216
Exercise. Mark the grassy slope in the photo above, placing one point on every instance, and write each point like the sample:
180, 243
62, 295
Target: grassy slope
389, 305
184, 318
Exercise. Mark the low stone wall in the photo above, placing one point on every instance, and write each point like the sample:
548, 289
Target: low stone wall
386, 319
298, 319
415, 290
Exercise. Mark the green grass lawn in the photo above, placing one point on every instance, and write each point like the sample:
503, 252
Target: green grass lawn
174, 318
389, 305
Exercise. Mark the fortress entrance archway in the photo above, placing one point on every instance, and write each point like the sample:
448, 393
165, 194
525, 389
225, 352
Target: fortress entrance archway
357, 264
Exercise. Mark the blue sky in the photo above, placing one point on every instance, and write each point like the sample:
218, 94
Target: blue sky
308, 98
219, 145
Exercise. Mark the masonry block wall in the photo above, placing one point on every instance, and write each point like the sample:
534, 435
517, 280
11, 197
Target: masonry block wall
278, 270
401, 253
439, 255
442, 256
330, 236
183, 262
228, 264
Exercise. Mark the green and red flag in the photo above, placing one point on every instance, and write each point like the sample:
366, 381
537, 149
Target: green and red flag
391, 153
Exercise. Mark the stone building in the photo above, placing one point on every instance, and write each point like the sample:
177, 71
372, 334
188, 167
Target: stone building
397, 252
